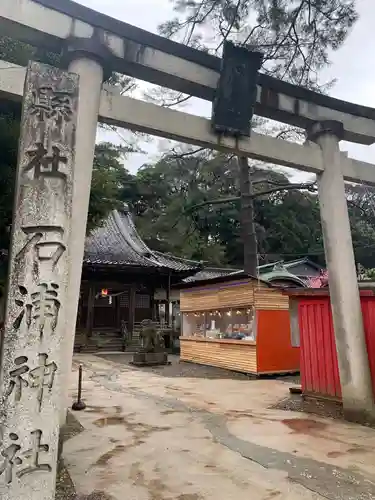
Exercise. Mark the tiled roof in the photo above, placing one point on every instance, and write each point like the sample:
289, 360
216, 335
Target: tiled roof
209, 273
282, 275
117, 243
278, 273
287, 265
279, 269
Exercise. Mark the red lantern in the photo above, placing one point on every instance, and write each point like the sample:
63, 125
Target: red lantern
104, 292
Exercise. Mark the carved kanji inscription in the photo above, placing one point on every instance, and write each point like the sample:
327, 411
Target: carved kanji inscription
45, 164
51, 103
23, 376
41, 306
17, 462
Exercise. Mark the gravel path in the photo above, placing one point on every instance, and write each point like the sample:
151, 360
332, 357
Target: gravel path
322, 478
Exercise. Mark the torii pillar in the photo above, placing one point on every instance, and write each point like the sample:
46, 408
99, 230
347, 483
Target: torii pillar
355, 378
87, 58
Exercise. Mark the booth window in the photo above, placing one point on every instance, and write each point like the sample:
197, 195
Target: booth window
193, 324
234, 323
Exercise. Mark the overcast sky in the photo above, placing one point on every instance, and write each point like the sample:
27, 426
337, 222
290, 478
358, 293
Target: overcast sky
353, 65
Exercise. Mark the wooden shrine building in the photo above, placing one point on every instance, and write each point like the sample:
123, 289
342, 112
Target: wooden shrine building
121, 277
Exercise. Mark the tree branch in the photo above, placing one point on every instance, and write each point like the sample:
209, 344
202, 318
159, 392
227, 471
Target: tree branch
364, 213
173, 153
211, 202
310, 187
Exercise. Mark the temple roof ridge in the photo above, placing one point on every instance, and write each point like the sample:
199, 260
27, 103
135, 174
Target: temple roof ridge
116, 242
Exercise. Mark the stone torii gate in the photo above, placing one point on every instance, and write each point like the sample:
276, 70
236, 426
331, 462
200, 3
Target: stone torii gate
93, 45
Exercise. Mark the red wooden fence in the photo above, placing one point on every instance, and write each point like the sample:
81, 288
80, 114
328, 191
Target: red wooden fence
319, 367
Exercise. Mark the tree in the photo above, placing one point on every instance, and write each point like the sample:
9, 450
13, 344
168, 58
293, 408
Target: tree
295, 37
164, 191
291, 226
361, 204
110, 181
265, 185
17, 52
190, 205
9, 133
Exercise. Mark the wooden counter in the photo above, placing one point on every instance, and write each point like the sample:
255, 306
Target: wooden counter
237, 355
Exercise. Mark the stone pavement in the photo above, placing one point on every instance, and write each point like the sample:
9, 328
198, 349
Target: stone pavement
152, 437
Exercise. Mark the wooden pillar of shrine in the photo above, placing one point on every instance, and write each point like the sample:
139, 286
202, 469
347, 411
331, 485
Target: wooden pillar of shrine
90, 311
132, 293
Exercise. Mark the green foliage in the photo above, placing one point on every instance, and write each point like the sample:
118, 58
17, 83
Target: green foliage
14, 51
9, 132
287, 222
164, 191
370, 274
365, 274
17, 52
361, 203
109, 181
169, 190
290, 224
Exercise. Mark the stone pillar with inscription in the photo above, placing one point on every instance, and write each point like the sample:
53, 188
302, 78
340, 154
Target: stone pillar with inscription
35, 318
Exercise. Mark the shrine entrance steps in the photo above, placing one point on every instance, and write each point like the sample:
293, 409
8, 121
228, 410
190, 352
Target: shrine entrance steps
107, 341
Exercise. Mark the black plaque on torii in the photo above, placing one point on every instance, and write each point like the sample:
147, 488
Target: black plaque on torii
236, 93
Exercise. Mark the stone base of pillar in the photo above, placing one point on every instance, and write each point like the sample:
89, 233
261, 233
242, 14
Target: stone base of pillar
60, 443
150, 358
60, 451
359, 416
